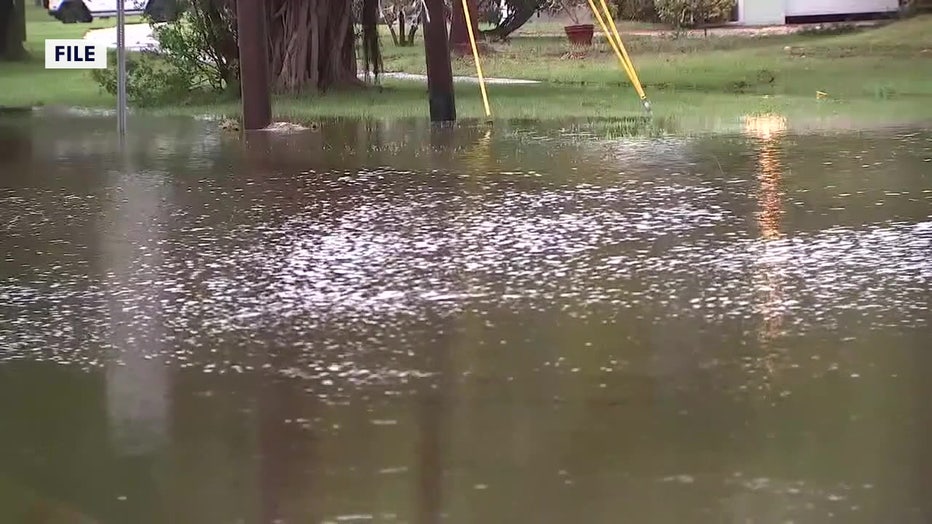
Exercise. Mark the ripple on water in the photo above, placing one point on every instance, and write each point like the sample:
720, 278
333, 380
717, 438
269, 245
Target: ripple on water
360, 266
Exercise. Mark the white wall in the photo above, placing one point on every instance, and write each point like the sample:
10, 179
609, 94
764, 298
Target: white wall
761, 12
833, 7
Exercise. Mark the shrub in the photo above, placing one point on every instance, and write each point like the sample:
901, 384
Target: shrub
150, 80
201, 43
693, 13
197, 54
637, 10
573, 8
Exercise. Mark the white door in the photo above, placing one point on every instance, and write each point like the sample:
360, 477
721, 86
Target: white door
838, 7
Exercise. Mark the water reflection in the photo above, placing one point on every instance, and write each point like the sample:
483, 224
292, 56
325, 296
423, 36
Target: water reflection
136, 376
768, 131
385, 321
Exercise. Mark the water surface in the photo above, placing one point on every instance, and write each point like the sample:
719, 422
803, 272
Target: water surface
381, 322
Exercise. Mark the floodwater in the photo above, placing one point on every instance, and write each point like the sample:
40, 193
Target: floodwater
381, 322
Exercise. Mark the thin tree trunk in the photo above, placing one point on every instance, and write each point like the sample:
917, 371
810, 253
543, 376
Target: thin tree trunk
390, 22
6, 22
511, 23
12, 29
401, 27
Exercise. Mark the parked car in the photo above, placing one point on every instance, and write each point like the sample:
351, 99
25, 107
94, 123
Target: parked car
72, 11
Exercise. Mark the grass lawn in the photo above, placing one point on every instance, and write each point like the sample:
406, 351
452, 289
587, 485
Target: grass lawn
29, 83
883, 73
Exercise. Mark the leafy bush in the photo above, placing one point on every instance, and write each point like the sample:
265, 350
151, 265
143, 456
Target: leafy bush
637, 10
573, 8
197, 54
201, 43
150, 79
693, 13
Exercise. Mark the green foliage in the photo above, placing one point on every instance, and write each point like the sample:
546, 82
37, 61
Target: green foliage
507, 16
637, 10
150, 80
201, 44
196, 55
693, 13
571, 8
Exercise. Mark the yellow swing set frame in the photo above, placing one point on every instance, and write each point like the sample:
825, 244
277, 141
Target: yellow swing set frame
613, 37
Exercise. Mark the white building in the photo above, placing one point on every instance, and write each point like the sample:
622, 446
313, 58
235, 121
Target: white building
777, 12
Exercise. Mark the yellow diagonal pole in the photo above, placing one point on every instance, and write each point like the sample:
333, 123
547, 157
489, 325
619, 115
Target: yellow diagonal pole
614, 39
624, 52
611, 40
475, 56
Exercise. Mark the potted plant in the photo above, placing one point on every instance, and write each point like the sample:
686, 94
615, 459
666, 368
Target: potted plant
578, 34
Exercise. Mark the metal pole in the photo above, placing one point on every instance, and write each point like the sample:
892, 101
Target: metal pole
475, 56
439, 69
254, 64
121, 69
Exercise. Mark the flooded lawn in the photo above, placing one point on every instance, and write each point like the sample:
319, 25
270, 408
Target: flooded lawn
380, 322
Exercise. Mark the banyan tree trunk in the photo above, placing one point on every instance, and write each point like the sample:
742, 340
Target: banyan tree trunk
312, 43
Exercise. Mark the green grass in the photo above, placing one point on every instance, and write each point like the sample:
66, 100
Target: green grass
845, 66
29, 83
870, 74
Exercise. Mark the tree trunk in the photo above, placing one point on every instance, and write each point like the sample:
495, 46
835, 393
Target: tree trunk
411, 33
391, 30
12, 29
312, 44
6, 22
401, 27
459, 35
511, 23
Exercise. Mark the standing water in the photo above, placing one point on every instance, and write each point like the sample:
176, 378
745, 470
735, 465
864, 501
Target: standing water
381, 322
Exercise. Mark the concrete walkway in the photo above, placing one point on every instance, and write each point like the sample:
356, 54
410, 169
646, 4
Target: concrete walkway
138, 37
461, 79
732, 29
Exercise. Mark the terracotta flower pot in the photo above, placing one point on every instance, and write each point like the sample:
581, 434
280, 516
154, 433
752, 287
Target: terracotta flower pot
580, 35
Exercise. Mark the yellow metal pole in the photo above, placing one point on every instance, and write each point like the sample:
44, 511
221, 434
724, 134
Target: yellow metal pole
624, 52
475, 56
618, 46
611, 40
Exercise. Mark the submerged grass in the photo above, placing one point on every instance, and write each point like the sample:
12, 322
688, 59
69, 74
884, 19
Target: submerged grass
881, 73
